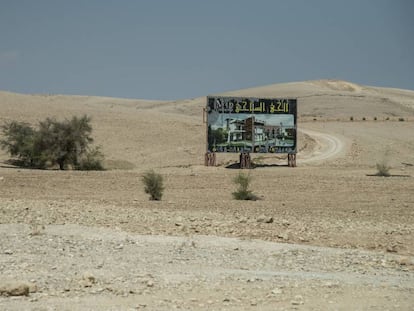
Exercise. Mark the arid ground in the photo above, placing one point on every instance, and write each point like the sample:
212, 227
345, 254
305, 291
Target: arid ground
326, 235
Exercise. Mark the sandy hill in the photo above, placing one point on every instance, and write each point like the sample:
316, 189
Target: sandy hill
166, 133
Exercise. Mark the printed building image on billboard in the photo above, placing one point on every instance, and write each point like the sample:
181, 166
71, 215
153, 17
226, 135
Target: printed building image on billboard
251, 125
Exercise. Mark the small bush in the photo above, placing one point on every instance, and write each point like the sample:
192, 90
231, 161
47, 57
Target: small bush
351, 118
92, 161
375, 118
364, 119
243, 192
153, 185
383, 170
401, 119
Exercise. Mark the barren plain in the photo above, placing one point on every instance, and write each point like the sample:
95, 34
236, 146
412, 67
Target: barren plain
326, 235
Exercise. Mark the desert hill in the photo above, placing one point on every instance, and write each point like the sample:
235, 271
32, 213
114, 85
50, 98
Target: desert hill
136, 132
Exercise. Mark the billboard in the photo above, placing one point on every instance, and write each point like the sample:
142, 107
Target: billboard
262, 125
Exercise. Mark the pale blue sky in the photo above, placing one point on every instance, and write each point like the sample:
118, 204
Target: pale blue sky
172, 49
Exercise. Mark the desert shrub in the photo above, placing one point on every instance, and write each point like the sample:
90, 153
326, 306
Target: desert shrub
65, 143
375, 118
351, 118
243, 192
153, 183
364, 119
91, 161
383, 169
401, 119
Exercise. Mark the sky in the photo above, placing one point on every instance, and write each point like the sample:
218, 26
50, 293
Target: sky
180, 49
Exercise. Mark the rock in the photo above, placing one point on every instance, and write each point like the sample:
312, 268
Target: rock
277, 291
392, 248
298, 300
404, 261
286, 223
265, 219
16, 288
88, 279
283, 236
120, 246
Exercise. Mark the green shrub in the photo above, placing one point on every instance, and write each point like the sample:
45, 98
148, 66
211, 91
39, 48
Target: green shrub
243, 192
383, 170
92, 161
153, 183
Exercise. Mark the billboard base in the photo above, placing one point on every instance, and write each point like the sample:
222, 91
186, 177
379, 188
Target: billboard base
245, 160
210, 159
292, 159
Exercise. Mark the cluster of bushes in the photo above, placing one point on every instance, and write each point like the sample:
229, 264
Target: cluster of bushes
153, 183
65, 144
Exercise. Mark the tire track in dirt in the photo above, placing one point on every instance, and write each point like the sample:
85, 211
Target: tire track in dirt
327, 146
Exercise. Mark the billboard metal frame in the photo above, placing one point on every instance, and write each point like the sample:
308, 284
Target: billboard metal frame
251, 125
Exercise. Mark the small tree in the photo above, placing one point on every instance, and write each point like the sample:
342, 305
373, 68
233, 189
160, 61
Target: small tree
243, 192
64, 144
19, 142
153, 185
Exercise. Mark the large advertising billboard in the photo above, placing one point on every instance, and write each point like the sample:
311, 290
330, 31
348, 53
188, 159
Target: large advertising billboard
262, 125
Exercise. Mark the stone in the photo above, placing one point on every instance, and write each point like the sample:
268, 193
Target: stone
277, 291
298, 300
283, 236
265, 219
16, 288
88, 279
285, 223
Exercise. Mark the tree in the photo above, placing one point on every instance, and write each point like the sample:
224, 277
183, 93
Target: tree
19, 142
65, 144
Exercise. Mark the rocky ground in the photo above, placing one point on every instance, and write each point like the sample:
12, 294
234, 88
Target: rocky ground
93, 241
68, 267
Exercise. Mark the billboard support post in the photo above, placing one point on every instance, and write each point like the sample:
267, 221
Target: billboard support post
210, 159
292, 160
245, 160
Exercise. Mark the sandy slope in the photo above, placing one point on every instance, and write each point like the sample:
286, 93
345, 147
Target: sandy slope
347, 238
